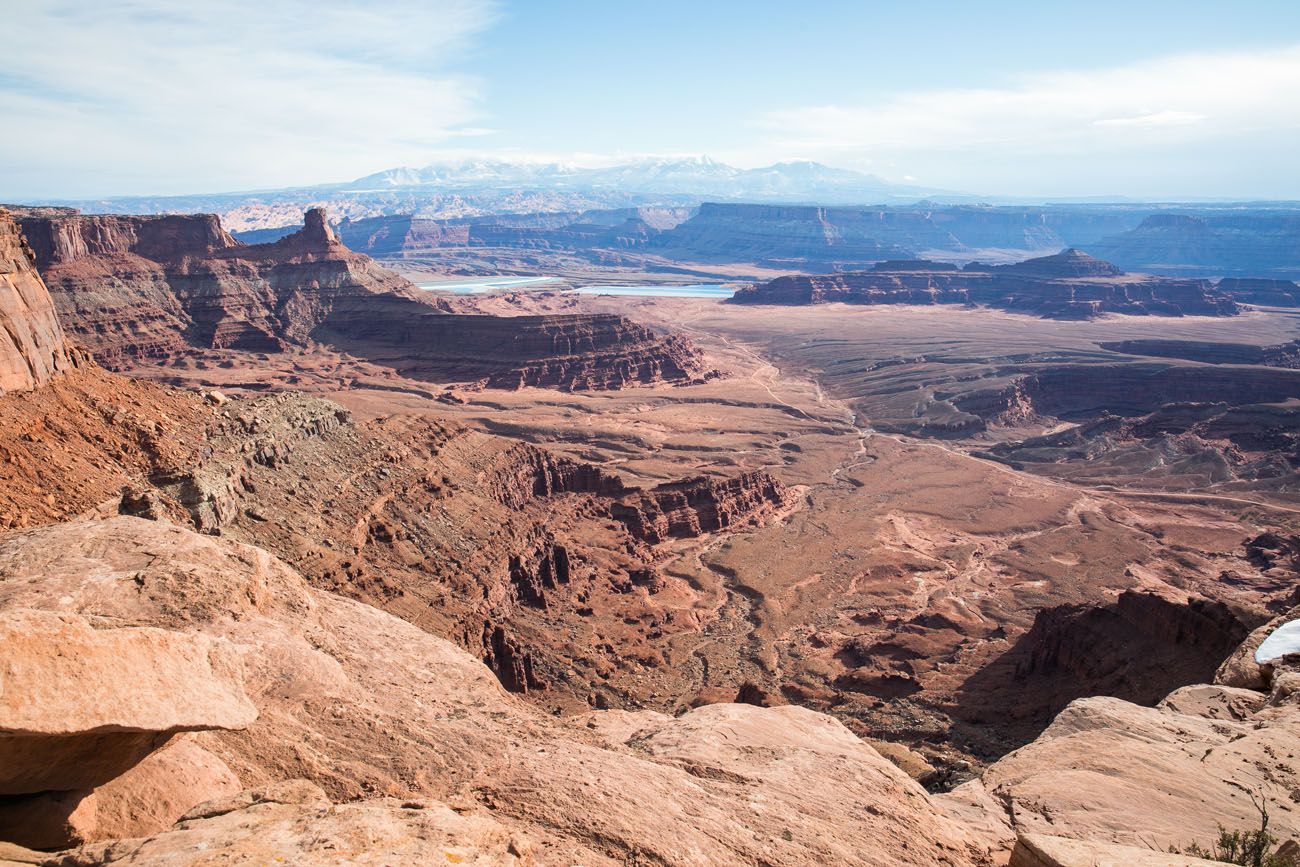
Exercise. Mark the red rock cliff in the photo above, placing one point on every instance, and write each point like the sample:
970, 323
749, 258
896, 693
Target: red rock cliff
692, 507
141, 288
32, 346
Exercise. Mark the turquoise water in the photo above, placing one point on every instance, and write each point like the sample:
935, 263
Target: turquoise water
486, 284
695, 290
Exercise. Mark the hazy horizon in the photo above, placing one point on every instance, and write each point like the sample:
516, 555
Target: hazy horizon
1180, 101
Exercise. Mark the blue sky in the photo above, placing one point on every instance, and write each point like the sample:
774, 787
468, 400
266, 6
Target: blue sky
1155, 99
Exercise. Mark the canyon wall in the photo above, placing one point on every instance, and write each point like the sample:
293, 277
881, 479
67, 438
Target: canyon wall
1138, 648
32, 345
1258, 244
693, 507
135, 289
411, 236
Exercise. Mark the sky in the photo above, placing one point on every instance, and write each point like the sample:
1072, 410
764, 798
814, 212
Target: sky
1146, 99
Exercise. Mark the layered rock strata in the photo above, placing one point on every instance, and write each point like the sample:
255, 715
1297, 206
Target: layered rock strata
360, 704
1256, 244
501, 546
32, 345
1067, 285
692, 507
148, 289
1278, 355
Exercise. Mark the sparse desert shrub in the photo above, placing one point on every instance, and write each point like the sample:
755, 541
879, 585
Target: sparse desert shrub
1249, 848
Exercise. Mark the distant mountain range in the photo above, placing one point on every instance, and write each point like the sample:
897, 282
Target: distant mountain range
690, 176
475, 187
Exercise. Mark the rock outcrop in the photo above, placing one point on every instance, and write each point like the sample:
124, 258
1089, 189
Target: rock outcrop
1278, 355
1066, 285
523, 473
413, 237
80, 707
1262, 291
693, 507
298, 825
148, 289
576, 352
1117, 772
32, 345
1138, 648
1042, 850
362, 704
501, 546
1208, 756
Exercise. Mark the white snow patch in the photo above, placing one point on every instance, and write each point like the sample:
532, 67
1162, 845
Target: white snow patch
1282, 641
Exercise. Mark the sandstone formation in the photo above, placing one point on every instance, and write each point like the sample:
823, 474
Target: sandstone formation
669, 237
1206, 756
380, 831
503, 547
821, 239
1254, 244
692, 507
352, 702
1262, 291
80, 707
1067, 285
397, 237
1110, 770
1136, 649
1041, 850
406, 622
574, 353
151, 289
32, 347
361, 703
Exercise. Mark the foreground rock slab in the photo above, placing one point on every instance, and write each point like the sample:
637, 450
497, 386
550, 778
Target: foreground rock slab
296, 824
79, 706
1112, 771
367, 706
1040, 850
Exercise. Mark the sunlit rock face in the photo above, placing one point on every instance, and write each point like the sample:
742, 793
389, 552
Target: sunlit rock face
32, 345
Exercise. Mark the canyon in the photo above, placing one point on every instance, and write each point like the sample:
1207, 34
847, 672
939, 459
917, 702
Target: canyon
169, 288
536, 578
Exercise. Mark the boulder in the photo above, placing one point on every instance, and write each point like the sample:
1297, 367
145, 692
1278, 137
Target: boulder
79, 705
1112, 771
1041, 850
153, 795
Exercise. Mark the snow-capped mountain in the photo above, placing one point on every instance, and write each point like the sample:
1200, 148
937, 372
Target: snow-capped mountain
474, 187
684, 176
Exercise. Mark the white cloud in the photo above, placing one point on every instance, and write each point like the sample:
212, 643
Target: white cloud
155, 95
1158, 118
1225, 103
